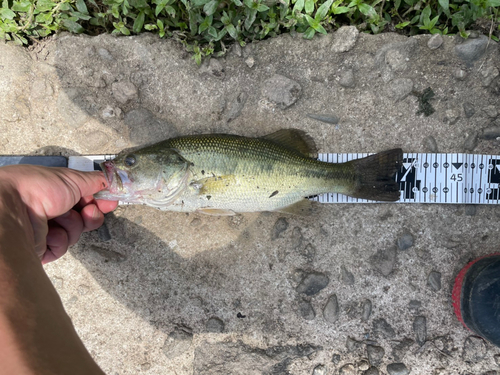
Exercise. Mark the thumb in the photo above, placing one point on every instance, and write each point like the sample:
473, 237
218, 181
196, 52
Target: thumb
85, 183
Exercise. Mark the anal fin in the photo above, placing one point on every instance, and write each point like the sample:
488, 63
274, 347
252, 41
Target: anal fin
216, 211
303, 207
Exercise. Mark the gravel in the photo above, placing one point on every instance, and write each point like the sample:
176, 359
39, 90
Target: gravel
312, 283
434, 281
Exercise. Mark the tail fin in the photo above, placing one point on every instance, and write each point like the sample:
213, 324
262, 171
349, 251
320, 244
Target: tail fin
375, 176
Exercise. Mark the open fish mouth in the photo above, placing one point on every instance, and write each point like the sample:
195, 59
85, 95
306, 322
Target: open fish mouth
116, 178
109, 171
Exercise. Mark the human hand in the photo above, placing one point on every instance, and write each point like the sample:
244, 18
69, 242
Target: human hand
59, 203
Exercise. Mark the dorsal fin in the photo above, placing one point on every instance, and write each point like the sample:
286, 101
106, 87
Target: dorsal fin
296, 140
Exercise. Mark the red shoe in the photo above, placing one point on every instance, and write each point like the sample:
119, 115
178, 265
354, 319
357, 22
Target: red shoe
476, 297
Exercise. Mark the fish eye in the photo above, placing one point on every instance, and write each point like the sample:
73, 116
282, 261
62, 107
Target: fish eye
130, 160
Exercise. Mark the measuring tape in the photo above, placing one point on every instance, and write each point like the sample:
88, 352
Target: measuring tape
436, 178
423, 178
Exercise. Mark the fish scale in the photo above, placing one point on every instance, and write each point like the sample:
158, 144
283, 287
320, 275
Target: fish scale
261, 168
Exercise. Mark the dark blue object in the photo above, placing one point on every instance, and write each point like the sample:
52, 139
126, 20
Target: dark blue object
46, 161
479, 297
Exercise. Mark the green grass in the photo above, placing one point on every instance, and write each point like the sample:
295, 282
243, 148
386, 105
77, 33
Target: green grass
208, 27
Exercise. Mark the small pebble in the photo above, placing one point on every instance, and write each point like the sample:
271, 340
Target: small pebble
434, 281
145, 366
472, 49
375, 354
489, 74
496, 357
306, 310
367, 310
281, 90
104, 54
103, 233
177, 343
491, 111
348, 369
490, 133
336, 358
312, 283
414, 306
110, 112
214, 325
280, 226
331, 310
400, 88
297, 237
451, 116
353, 345
347, 79
347, 277
309, 252
420, 329
397, 369
250, 61
435, 41
196, 222
363, 365
329, 119
319, 370
471, 141
399, 351
470, 210
405, 241
444, 343
371, 371
58, 282
345, 38
237, 50
430, 144
474, 349
124, 91
383, 329
469, 109
384, 260
460, 74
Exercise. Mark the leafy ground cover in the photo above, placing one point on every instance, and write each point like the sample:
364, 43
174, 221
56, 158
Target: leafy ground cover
208, 27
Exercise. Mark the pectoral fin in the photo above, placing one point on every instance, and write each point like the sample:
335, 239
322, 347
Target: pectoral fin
217, 184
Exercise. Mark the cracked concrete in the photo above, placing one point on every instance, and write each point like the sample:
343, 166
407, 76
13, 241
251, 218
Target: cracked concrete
350, 289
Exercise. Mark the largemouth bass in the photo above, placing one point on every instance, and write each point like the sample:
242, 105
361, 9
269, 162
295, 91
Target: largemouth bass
224, 174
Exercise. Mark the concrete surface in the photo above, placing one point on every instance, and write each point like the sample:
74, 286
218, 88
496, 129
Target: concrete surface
352, 289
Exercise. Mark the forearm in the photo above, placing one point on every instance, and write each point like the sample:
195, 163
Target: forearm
36, 335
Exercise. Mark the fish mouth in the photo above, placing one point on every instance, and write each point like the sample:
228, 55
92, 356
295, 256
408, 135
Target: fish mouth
108, 168
116, 178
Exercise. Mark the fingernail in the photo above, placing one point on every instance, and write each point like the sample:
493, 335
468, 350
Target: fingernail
96, 213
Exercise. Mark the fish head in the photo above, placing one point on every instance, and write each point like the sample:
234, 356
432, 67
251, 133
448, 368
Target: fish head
144, 176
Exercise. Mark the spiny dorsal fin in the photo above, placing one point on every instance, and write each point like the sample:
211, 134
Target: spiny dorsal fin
294, 139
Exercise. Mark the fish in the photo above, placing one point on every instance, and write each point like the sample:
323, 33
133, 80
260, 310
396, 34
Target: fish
225, 174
